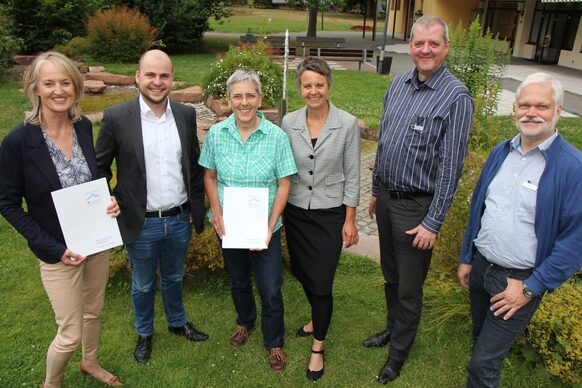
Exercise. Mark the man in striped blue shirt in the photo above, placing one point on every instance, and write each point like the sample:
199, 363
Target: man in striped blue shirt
424, 131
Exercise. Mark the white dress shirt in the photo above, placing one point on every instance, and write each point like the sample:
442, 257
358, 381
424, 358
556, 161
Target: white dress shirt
163, 155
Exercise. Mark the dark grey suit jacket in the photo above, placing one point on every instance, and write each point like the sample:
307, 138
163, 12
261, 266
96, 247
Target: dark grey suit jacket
120, 138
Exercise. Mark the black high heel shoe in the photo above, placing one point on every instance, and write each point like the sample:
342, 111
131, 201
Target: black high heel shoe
302, 333
315, 375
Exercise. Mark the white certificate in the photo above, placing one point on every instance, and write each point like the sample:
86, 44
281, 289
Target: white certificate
246, 217
82, 212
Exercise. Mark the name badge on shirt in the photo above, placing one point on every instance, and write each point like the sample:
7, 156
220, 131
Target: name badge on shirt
418, 124
417, 128
529, 185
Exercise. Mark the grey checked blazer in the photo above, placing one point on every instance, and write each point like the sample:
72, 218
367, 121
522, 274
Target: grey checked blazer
329, 173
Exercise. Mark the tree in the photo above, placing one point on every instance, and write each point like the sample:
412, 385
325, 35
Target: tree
42, 24
314, 6
9, 44
180, 23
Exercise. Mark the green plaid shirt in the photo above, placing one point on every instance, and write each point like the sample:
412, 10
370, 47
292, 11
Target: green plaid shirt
265, 157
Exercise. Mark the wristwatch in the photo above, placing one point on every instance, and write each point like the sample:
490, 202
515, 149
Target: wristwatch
528, 292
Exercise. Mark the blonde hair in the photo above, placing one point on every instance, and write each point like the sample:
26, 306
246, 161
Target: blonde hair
30, 84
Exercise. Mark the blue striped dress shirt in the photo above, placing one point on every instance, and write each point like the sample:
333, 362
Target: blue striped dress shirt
424, 131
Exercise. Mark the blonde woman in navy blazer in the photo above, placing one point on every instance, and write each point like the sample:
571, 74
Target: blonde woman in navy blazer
321, 210
51, 150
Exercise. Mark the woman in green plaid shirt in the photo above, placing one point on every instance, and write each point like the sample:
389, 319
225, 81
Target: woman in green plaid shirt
247, 150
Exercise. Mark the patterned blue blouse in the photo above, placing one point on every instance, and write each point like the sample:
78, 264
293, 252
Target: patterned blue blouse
72, 171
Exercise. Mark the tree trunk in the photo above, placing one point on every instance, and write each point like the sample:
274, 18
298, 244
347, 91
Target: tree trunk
371, 8
312, 26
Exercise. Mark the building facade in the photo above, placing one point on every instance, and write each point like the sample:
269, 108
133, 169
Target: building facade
545, 31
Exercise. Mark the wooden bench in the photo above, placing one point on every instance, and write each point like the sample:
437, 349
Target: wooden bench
307, 42
248, 39
276, 44
347, 54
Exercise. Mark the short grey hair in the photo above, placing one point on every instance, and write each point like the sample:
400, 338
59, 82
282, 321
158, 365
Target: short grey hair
429, 21
242, 75
546, 79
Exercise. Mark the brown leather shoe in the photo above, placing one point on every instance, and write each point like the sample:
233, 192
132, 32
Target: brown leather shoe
240, 336
277, 359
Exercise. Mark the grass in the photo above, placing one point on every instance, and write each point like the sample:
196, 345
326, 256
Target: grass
437, 359
269, 21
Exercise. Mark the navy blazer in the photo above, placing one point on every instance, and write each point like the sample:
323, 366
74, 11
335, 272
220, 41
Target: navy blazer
27, 171
120, 138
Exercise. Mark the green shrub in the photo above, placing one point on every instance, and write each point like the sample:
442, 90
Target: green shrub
247, 57
79, 48
204, 252
9, 44
448, 244
42, 24
119, 34
556, 332
119, 263
480, 62
180, 23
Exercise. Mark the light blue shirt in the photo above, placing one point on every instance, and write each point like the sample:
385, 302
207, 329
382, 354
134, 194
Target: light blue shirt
507, 235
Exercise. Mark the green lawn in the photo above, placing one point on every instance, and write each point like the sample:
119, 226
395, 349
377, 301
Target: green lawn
268, 21
27, 326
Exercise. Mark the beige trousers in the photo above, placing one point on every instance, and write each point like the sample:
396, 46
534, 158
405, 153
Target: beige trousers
76, 294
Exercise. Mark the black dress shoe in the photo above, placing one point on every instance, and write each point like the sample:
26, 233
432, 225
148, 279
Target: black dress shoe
378, 339
302, 333
315, 375
189, 331
390, 371
143, 349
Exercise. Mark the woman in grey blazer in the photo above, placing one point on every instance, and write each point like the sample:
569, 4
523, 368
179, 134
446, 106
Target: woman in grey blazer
321, 210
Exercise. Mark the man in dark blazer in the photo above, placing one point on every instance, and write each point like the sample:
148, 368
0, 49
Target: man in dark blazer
159, 190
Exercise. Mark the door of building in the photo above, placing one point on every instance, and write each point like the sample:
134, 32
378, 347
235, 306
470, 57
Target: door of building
551, 36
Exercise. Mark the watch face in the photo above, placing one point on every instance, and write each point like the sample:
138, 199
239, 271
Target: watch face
527, 292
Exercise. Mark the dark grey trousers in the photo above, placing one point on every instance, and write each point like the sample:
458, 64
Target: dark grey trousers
404, 267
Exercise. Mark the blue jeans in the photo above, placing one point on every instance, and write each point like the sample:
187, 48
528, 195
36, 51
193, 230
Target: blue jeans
163, 243
493, 336
240, 263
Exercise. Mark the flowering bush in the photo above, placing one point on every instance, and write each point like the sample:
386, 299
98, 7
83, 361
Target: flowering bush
556, 332
119, 34
360, 28
252, 57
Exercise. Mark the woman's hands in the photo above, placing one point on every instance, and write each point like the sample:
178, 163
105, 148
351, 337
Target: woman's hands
350, 234
113, 208
72, 258
218, 221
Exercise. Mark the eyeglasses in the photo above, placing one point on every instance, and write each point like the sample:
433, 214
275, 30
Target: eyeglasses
238, 97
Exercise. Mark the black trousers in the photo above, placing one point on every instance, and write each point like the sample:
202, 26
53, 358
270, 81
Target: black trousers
404, 267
